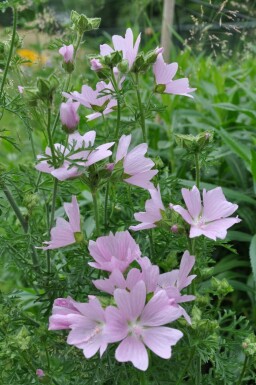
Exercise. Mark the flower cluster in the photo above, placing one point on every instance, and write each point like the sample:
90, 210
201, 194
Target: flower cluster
135, 321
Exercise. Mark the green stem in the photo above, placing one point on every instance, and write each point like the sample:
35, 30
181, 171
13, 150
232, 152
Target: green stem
106, 207
15, 208
198, 378
197, 170
142, 116
143, 380
151, 244
239, 382
15, 14
49, 133
96, 212
68, 79
186, 367
54, 196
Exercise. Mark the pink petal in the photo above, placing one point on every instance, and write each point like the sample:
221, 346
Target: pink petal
158, 312
160, 340
131, 304
132, 349
183, 212
216, 206
122, 148
193, 201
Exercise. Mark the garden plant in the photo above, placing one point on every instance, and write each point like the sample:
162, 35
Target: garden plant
127, 245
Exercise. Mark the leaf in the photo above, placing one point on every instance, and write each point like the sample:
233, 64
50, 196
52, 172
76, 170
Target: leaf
233, 107
236, 147
252, 253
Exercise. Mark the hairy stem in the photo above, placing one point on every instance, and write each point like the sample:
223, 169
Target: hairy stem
197, 170
49, 134
142, 116
240, 380
96, 212
15, 208
68, 79
15, 14
54, 196
198, 378
186, 367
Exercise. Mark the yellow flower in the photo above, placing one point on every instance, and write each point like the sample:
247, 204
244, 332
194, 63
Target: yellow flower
32, 56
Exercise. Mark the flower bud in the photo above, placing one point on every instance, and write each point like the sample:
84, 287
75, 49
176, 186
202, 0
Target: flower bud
221, 287
123, 66
67, 51
96, 65
68, 115
40, 373
249, 345
82, 23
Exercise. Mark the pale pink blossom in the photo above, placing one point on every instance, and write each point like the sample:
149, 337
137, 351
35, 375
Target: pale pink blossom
164, 74
74, 155
65, 232
67, 51
94, 99
86, 321
68, 114
137, 169
176, 280
114, 251
20, 89
126, 45
139, 325
96, 65
62, 309
154, 210
40, 373
210, 217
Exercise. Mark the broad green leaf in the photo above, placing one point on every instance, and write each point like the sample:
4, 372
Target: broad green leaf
237, 148
252, 253
238, 236
233, 107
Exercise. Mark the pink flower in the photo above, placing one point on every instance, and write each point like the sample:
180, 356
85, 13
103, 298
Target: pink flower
67, 51
136, 167
209, 218
20, 89
65, 232
61, 311
76, 153
86, 321
164, 74
176, 280
96, 65
68, 114
139, 325
125, 45
154, 209
40, 373
114, 251
149, 274
93, 99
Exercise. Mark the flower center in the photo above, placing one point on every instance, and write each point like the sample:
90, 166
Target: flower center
136, 329
199, 221
97, 330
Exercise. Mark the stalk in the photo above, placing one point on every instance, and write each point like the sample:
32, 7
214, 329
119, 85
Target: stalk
142, 116
23, 223
198, 379
143, 380
14, 27
197, 170
96, 212
49, 133
54, 196
68, 78
240, 380
186, 367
